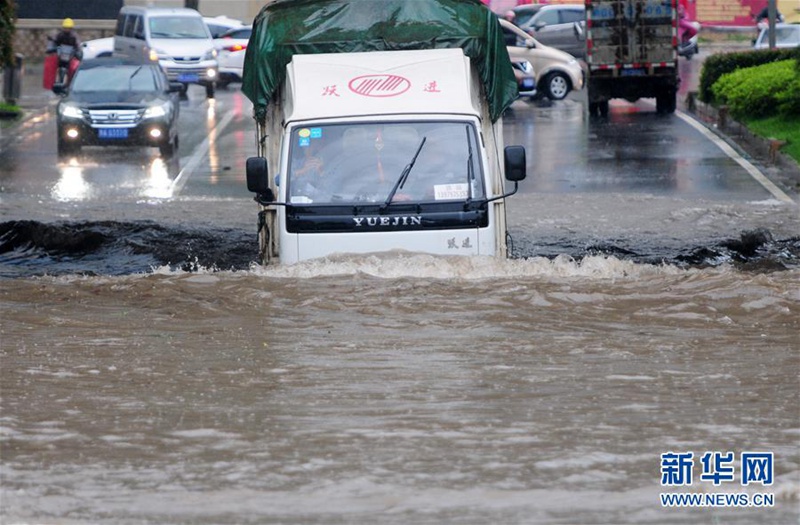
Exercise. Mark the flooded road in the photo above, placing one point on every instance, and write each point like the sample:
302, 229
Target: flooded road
405, 389
150, 373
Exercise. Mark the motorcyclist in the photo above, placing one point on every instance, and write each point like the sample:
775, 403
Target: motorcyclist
68, 51
68, 37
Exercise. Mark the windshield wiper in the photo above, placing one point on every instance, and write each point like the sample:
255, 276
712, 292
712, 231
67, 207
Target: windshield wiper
401, 180
130, 78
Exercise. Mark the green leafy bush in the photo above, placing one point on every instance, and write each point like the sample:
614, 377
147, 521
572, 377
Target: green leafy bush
760, 91
7, 16
720, 64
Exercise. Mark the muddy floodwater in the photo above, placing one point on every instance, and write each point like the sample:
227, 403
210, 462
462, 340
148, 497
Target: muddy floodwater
399, 389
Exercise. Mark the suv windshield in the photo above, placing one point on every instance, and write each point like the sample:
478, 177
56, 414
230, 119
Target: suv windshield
178, 27
363, 162
117, 78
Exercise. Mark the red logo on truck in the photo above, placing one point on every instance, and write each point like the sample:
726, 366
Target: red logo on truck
379, 85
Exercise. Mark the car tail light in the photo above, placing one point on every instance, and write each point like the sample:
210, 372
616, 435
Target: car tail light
236, 47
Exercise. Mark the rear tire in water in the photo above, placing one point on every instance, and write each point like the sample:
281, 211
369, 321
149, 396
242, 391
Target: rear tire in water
666, 102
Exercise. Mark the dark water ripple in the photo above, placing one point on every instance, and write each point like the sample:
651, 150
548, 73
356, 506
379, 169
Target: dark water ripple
30, 248
118, 248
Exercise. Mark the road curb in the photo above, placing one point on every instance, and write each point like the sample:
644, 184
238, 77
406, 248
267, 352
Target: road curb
780, 168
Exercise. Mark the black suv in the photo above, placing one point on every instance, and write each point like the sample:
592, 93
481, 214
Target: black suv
118, 102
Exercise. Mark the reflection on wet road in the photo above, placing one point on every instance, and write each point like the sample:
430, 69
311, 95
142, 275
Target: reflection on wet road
651, 306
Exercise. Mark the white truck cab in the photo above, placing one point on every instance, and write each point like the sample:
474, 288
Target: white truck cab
381, 151
379, 128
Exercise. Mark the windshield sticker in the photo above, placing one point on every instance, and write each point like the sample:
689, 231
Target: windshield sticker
446, 192
316, 133
303, 142
379, 85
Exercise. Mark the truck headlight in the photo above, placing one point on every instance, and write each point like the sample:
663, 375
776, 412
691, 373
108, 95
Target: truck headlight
71, 111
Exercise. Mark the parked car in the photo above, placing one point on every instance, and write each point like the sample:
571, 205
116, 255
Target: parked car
786, 36
98, 48
115, 101
177, 37
557, 72
220, 24
554, 25
526, 78
231, 46
523, 13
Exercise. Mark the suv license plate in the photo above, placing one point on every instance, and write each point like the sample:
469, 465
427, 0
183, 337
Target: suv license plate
188, 77
112, 133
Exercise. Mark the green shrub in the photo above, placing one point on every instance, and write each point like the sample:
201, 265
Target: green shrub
759, 91
7, 16
720, 64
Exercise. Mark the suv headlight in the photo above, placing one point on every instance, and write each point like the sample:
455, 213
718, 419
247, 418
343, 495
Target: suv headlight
210, 54
71, 111
155, 111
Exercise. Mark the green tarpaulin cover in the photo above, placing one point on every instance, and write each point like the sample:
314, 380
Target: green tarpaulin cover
284, 28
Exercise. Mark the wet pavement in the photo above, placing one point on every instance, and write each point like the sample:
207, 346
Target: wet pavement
152, 374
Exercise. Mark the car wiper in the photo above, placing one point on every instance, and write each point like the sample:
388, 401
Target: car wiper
401, 180
130, 78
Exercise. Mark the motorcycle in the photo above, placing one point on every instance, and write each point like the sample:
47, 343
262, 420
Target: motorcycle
60, 64
688, 45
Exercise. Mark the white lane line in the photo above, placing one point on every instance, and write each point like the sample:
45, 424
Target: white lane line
198, 154
732, 153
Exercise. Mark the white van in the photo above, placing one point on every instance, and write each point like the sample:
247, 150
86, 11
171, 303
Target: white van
177, 37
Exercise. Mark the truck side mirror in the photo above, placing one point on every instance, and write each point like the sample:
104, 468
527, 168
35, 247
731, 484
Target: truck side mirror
258, 176
515, 164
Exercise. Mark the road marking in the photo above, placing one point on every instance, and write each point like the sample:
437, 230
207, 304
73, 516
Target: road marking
732, 153
198, 154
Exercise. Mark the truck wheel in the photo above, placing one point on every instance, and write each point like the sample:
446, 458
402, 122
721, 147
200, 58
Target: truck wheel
210, 90
556, 86
666, 102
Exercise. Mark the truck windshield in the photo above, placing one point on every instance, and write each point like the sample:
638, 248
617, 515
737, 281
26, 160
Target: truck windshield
361, 163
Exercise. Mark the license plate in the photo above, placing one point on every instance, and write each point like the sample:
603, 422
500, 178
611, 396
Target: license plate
188, 77
633, 72
528, 83
112, 133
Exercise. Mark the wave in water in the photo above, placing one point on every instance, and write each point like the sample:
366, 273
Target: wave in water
31, 248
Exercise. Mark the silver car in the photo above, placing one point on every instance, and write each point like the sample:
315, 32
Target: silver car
554, 25
557, 72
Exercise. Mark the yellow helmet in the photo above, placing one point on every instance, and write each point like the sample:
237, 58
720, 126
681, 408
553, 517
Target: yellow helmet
68, 23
